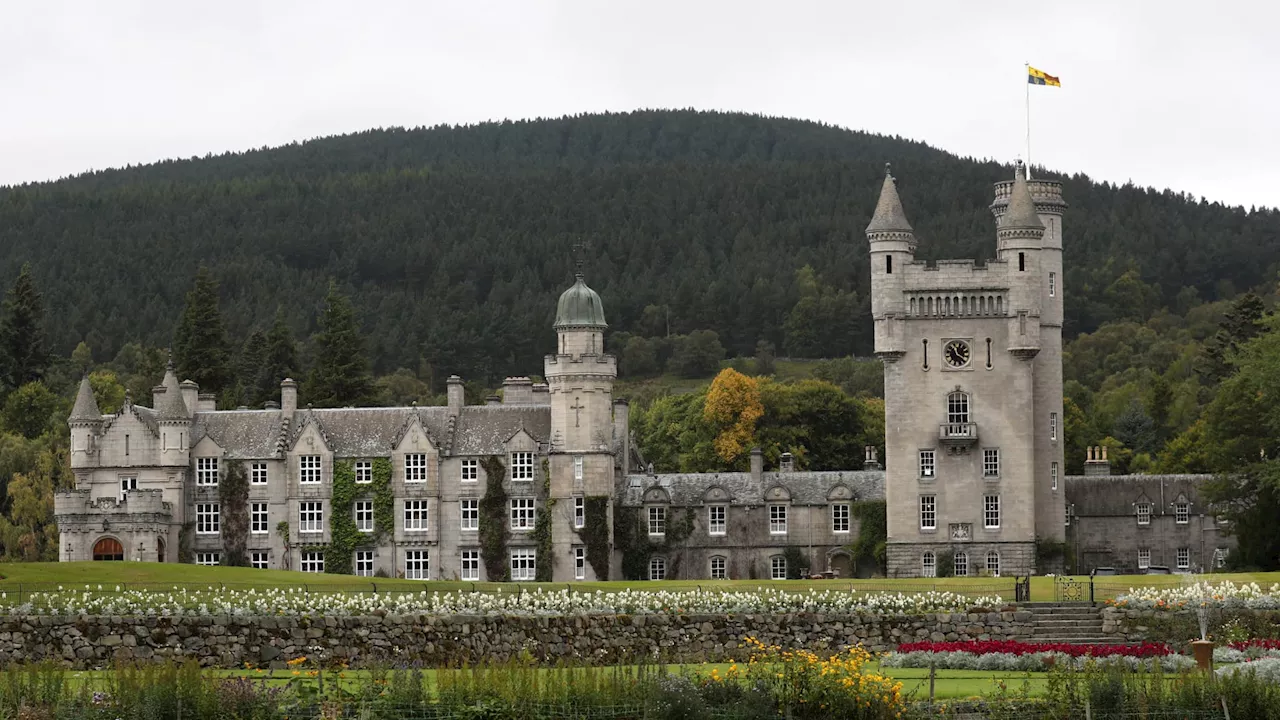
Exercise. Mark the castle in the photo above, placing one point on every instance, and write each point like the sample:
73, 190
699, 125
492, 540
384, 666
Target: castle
973, 483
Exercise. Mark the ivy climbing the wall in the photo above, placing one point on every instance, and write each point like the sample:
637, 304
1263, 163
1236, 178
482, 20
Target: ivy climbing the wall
493, 520
873, 532
343, 535
545, 568
186, 542
595, 534
233, 496
631, 538
384, 499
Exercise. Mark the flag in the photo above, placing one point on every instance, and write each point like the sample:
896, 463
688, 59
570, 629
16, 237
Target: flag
1039, 77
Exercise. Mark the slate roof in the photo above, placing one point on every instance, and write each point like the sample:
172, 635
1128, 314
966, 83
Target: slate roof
485, 429
86, 407
1021, 212
242, 434
370, 432
889, 215
806, 488
170, 405
1114, 495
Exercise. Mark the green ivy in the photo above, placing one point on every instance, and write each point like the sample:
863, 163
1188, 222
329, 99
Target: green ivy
343, 535
873, 532
796, 561
186, 542
384, 499
544, 570
595, 534
631, 539
282, 531
493, 521
233, 497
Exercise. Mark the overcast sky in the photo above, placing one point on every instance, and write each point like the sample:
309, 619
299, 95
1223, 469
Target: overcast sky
1169, 94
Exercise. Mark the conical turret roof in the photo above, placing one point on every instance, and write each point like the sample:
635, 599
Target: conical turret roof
171, 406
889, 216
86, 407
1021, 211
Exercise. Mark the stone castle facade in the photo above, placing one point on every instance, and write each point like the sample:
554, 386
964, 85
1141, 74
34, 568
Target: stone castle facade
973, 395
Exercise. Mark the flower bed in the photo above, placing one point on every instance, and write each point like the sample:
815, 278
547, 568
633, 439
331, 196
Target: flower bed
1246, 650
292, 602
1202, 594
1034, 657
1015, 647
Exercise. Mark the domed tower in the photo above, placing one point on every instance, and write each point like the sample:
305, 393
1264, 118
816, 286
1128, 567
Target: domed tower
86, 427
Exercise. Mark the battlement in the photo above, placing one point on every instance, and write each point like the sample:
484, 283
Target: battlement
951, 276
603, 363
944, 303
82, 502
1047, 195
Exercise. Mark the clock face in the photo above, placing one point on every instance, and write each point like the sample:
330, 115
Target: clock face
956, 353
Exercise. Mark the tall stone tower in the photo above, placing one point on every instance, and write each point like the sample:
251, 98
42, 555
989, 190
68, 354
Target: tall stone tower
580, 379
973, 388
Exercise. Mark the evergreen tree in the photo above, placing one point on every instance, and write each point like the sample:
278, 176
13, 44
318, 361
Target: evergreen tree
250, 368
1242, 323
341, 374
279, 360
23, 348
200, 348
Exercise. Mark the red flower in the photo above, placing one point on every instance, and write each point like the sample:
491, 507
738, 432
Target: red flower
1015, 647
1266, 643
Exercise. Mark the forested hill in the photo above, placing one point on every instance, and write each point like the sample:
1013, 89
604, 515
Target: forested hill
455, 242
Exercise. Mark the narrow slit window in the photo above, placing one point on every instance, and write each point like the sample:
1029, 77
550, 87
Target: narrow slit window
988, 353
888, 264
1022, 262
925, 344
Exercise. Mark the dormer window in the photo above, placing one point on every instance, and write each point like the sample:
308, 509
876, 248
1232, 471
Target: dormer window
207, 471
1182, 513
1144, 513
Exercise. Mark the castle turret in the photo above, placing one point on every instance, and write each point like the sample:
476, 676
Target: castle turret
174, 420
1019, 233
86, 427
893, 246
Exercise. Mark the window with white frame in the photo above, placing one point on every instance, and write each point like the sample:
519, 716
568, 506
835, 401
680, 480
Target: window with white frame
259, 560
524, 564
716, 520
364, 563
364, 472
127, 483
579, 563
1053, 476
311, 517
929, 564
258, 474
415, 515
521, 466
991, 511
207, 471
928, 512
364, 516
1144, 513
960, 564
417, 565
778, 567
312, 561
308, 469
657, 568
579, 512
415, 468
840, 517
259, 519
577, 468
991, 462
719, 568
1053, 284
993, 563
1220, 557
470, 470
1184, 558
958, 407
470, 513
208, 518
470, 565
208, 558
777, 519
1182, 513
928, 463
657, 521
1144, 558
523, 513
1053, 426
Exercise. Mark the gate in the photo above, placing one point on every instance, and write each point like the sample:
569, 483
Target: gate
1068, 589
1022, 589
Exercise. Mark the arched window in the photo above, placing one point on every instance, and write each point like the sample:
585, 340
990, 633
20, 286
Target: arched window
913, 306
958, 407
108, 549
929, 565
961, 564
719, 567
657, 568
993, 563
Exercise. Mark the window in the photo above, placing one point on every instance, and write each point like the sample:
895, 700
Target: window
991, 511
924, 344
207, 471
993, 563
259, 560
1144, 513
364, 472
1053, 426
521, 466
840, 518
470, 513
1022, 262
961, 564
579, 563
127, 484
1220, 557
1053, 284
1053, 476
1182, 513
718, 569
1184, 558
579, 512
259, 519
309, 469
208, 558
310, 517
958, 407
991, 462
364, 563
208, 518
364, 516
778, 567
258, 474
657, 568
417, 565
415, 515
1067, 520
657, 521
470, 470
470, 565
1144, 559
927, 463
312, 561
577, 468
777, 519
929, 565
415, 468
888, 264
928, 512
715, 520
522, 513
524, 564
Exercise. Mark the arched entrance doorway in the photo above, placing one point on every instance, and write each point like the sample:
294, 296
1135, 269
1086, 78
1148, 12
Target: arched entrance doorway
159, 549
108, 549
840, 563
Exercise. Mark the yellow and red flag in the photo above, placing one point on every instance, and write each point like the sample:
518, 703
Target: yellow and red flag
1039, 77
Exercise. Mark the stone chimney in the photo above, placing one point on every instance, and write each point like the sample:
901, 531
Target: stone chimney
190, 395
1096, 463
541, 394
206, 402
457, 396
517, 391
622, 433
288, 396
870, 460
786, 463
757, 464
271, 405
493, 400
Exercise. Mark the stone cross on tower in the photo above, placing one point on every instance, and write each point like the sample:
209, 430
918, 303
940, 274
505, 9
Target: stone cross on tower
577, 408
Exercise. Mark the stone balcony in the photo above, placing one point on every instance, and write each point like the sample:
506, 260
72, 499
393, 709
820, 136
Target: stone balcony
958, 435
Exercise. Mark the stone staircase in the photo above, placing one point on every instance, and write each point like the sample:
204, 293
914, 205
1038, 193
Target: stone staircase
1067, 622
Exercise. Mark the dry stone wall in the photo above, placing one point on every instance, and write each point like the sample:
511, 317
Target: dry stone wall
87, 642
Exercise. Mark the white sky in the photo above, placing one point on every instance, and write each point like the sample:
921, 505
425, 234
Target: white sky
1169, 94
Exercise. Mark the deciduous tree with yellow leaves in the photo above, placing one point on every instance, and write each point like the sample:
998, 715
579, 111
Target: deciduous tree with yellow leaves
733, 407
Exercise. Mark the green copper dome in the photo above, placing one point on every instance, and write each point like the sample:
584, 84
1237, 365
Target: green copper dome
580, 306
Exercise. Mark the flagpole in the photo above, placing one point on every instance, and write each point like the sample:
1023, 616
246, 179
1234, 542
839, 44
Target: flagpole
1026, 80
